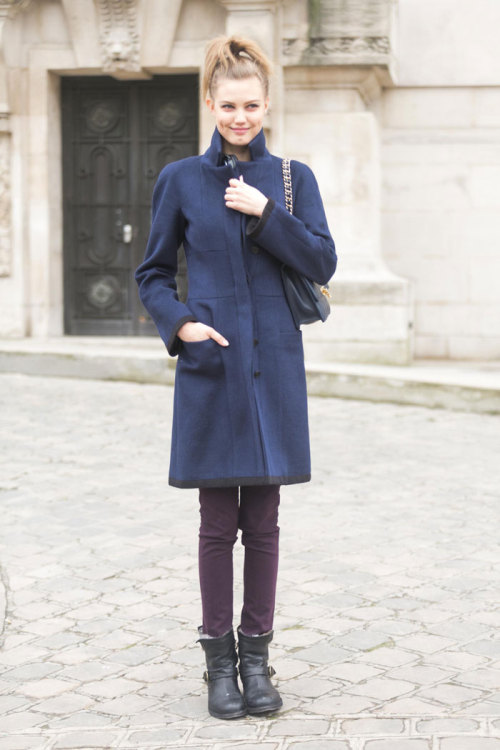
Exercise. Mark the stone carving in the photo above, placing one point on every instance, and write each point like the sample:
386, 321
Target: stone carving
344, 45
343, 31
119, 37
5, 199
9, 8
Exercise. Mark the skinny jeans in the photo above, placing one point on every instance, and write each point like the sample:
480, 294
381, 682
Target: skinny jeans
224, 510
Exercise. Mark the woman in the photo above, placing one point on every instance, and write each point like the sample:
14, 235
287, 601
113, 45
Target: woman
240, 411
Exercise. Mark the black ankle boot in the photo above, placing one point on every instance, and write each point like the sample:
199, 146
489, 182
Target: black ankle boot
260, 694
224, 698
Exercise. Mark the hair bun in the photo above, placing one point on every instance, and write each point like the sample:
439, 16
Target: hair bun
234, 57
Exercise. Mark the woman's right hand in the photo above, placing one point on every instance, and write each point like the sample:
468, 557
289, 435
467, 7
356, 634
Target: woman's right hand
200, 332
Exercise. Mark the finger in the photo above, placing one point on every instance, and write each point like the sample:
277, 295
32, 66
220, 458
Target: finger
241, 178
216, 336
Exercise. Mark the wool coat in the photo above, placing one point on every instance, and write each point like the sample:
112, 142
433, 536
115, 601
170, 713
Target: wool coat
240, 412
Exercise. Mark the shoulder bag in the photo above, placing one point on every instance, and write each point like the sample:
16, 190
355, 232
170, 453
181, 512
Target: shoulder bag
307, 300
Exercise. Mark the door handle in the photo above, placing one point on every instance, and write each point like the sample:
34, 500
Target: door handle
127, 233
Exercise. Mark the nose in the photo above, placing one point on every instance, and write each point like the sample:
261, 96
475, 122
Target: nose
240, 115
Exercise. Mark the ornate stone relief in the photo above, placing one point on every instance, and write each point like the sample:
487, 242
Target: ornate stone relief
345, 45
344, 32
119, 37
5, 198
8, 9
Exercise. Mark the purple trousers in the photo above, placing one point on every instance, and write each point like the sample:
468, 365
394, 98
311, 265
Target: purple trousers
223, 511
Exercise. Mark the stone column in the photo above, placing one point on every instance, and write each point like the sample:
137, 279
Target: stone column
8, 9
12, 292
337, 57
5, 194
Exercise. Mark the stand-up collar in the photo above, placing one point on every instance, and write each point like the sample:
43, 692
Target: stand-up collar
215, 152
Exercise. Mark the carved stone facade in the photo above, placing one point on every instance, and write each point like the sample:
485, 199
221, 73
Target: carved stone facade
5, 205
399, 123
359, 32
8, 10
118, 36
11, 7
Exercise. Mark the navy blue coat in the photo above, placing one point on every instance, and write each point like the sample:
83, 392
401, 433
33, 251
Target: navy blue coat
240, 412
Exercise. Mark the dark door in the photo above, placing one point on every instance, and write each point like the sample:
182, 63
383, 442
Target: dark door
117, 135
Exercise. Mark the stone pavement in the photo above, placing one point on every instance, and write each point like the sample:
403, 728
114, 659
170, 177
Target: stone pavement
386, 633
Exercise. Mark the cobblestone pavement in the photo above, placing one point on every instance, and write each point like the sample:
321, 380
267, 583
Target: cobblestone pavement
386, 634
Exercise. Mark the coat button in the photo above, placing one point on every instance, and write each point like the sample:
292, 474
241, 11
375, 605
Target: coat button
255, 250
256, 373
255, 342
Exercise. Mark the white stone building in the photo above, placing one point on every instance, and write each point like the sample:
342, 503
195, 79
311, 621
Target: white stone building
394, 105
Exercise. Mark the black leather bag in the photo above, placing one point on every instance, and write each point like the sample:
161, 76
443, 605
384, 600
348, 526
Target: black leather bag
308, 301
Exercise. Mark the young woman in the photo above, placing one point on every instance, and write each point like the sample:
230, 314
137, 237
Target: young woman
240, 427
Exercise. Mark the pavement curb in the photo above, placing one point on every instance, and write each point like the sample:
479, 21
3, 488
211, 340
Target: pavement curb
411, 388
472, 387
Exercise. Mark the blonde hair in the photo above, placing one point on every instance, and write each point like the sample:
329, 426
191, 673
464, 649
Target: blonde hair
234, 57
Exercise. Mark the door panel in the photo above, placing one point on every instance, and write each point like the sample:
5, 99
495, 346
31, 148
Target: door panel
117, 136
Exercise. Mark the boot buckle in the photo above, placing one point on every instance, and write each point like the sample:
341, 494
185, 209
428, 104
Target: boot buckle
271, 671
206, 676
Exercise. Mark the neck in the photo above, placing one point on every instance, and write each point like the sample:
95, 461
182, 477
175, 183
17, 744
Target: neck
242, 153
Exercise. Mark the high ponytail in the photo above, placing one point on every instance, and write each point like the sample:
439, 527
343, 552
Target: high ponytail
234, 57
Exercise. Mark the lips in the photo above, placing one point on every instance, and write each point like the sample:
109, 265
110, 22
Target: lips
240, 131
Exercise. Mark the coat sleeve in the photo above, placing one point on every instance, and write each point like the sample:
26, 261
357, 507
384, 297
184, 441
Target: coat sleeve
302, 240
155, 276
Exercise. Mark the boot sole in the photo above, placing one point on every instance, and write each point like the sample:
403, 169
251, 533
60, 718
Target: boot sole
234, 715
264, 710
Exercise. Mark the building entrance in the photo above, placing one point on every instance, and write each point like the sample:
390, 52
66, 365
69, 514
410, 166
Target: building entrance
117, 135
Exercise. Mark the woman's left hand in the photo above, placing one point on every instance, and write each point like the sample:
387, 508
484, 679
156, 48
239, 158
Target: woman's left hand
244, 198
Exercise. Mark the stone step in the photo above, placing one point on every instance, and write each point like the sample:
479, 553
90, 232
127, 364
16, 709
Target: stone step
462, 386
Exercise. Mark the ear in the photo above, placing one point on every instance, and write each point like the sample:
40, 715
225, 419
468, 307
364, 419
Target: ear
266, 104
210, 103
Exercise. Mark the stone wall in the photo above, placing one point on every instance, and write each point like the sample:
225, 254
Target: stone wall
440, 217
401, 107
440, 130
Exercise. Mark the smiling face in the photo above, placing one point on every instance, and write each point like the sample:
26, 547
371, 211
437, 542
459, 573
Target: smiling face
239, 107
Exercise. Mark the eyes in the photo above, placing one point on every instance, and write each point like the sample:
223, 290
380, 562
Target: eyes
249, 107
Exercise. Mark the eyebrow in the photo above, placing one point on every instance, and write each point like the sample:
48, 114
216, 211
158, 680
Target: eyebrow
251, 101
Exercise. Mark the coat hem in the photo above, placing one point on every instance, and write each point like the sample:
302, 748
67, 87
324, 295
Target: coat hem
237, 481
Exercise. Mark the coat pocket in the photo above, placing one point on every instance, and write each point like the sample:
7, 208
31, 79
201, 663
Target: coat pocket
202, 357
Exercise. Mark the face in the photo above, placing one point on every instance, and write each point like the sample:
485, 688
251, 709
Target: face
239, 108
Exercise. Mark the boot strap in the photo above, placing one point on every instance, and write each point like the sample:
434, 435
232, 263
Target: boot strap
215, 676
252, 671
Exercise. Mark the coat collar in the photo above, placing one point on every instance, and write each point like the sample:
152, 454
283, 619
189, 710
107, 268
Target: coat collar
215, 152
